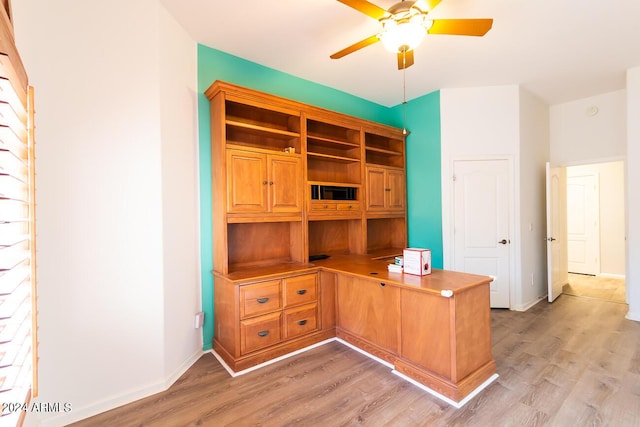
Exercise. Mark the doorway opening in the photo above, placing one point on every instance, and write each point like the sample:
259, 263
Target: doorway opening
596, 231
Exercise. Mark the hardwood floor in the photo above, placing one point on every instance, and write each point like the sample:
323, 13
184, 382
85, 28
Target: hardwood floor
575, 362
604, 288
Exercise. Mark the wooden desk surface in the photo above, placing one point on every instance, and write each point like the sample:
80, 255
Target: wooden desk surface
437, 281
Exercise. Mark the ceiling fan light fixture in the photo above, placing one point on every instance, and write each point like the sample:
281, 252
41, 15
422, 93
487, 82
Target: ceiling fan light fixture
404, 29
399, 37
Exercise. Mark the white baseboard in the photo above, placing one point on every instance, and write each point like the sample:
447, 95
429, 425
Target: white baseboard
113, 402
453, 403
527, 306
422, 386
371, 356
633, 315
268, 362
612, 276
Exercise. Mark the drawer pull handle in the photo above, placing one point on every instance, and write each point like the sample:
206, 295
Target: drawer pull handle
262, 300
302, 322
263, 333
301, 291
383, 284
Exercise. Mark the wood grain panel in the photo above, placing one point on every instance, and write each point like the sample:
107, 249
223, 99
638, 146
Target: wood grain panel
371, 310
473, 331
427, 338
327, 300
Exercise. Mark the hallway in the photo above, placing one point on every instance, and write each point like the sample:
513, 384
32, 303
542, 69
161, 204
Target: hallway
603, 288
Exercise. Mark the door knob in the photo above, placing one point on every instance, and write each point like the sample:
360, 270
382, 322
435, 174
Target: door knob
551, 239
503, 242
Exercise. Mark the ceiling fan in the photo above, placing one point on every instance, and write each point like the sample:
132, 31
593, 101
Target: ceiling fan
405, 24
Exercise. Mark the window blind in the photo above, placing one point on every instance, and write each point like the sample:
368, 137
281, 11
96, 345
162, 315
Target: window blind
18, 338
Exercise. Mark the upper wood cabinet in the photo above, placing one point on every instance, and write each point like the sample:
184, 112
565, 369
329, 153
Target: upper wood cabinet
259, 182
291, 180
385, 188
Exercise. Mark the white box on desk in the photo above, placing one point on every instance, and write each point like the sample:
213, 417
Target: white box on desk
417, 261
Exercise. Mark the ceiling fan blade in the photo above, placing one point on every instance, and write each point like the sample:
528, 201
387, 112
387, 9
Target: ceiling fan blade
461, 27
356, 46
365, 7
427, 5
405, 59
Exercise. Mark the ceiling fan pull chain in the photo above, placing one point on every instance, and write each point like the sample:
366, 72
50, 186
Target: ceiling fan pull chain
404, 92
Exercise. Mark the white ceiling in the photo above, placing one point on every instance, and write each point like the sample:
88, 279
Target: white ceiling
560, 50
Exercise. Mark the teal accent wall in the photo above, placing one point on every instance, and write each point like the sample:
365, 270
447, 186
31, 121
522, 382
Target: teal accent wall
423, 149
424, 194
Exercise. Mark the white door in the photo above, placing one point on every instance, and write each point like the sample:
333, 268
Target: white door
583, 224
557, 275
481, 242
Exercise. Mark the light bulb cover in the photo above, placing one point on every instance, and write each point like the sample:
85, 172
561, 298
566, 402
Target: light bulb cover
404, 31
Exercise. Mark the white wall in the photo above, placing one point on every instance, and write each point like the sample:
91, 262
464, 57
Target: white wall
633, 195
480, 122
579, 136
117, 284
612, 211
534, 153
180, 194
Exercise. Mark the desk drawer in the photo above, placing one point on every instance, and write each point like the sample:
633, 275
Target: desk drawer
300, 290
322, 206
300, 320
350, 206
260, 332
260, 298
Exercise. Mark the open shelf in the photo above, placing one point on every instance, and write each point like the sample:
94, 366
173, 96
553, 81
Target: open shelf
322, 168
262, 116
263, 138
332, 158
385, 235
335, 236
384, 150
257, 127
320, 130
246, 251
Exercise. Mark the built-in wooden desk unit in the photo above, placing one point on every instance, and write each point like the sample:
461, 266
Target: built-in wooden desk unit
290, 180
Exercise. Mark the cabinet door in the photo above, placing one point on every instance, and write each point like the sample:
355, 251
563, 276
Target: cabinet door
246, 181
371, 310
375, 188
285, 184
396, 189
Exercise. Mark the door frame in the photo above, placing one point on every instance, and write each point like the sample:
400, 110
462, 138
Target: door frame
622, 159
448, 202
